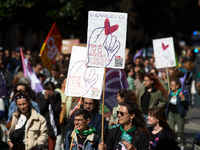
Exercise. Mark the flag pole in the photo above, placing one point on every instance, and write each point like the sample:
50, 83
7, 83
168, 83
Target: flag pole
168, 79
24, 67
104, 80
74, 128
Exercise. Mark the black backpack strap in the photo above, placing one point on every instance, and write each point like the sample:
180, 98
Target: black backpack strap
95, 141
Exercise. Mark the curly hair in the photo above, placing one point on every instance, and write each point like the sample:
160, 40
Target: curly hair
128, 95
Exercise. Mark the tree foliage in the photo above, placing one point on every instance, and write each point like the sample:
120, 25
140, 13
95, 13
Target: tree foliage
38, 14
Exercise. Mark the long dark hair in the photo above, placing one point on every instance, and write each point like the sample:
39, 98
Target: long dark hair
158, 113
157, 83
138, 121
60, 81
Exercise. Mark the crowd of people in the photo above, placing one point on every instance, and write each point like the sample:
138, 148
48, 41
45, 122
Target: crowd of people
144, 118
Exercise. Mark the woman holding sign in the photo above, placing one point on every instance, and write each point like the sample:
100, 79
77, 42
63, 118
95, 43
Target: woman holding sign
130, 133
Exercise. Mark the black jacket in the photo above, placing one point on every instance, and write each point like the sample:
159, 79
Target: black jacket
55, 102
139, 141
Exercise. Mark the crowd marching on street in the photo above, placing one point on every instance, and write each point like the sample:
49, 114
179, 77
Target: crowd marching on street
149, 115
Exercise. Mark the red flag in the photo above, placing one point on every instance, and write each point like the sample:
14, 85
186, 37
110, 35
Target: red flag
51, 46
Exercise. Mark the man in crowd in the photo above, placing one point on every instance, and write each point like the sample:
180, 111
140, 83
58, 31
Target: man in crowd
96, 120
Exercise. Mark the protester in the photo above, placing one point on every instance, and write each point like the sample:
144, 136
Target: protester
49, 102
139, 80
130, 78
55, 70
177, 108
125, 95
163, 78
27, 90
84, 137
146, 65
16, 61
37, 67
66, 101
161, 137
96, 120
130, 133
8, 79
151, 94
28, 128
61, 59
3, 142
151, 62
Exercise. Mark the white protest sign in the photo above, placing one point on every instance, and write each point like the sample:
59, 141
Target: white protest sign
106, 39
83, 81
164, 52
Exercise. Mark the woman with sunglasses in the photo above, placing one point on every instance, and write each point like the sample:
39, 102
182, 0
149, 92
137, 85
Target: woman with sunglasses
131, 133
28, 128
161, 135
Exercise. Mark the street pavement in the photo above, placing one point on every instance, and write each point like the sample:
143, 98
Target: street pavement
192, 126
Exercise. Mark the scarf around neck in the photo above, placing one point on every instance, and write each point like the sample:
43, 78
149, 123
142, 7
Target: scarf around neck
87, 132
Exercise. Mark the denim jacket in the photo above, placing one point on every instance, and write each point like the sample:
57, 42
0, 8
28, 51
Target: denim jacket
87, 145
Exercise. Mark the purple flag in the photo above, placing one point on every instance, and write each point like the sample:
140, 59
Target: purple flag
183, 87
3, 89
115, 80
138, 54
36, 84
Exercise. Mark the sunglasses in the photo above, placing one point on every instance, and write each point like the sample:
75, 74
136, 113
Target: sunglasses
20, 95
121, 113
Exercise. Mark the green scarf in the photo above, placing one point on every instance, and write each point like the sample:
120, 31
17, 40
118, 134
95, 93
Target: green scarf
131, 129
176, 93
87, 132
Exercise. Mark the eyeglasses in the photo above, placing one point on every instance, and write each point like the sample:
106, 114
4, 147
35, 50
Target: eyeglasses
121, 113
90, 104
20, 95
78, 120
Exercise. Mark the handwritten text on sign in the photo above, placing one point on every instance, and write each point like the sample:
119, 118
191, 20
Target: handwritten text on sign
83, 81
106, 39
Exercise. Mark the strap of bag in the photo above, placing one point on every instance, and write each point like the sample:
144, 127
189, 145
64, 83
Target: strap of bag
66, 99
